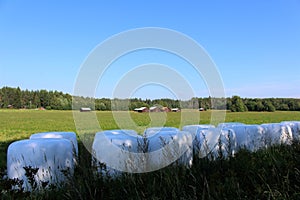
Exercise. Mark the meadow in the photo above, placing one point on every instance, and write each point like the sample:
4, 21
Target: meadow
268, 174
19, 124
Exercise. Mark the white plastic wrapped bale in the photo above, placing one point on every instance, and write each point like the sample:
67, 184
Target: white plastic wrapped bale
277, 133
215, 143
250, 137
40, 162
229, 124
125, 140
193, 129
295, 127
166, 147
66, 135
154, 130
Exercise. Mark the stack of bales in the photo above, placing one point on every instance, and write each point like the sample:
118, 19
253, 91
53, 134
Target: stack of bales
48, 158
156, 148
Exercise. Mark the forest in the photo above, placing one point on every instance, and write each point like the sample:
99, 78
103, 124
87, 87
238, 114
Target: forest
15, 98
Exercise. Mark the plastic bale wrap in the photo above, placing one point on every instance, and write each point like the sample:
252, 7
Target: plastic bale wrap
215, 143
250, 137
170, 145
65, 135
295, 128
40, 163
277, 133
126, 141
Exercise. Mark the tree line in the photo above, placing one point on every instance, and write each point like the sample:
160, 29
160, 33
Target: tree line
55, 100
17, 98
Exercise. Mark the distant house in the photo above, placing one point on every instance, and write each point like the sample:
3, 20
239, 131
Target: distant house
154, 109
141, 109
85, 109
175, 110
201, 109
10, 106
159, 109
165, 109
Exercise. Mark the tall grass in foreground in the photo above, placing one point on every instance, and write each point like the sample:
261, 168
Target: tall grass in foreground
266, 174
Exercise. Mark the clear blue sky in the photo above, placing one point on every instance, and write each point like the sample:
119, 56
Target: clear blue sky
255, 44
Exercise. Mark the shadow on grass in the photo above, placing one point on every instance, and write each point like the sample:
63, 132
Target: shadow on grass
3, 152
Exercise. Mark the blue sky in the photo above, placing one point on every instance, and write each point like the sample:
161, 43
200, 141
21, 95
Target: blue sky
254, 44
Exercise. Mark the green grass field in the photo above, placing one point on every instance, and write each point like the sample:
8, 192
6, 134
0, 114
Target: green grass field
20, 124
268, 174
